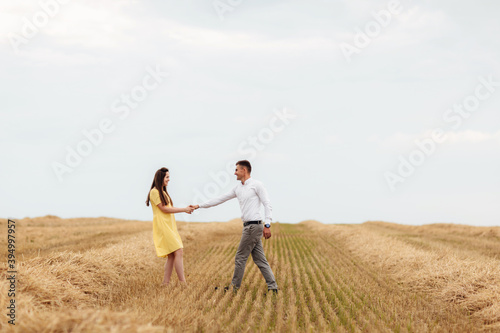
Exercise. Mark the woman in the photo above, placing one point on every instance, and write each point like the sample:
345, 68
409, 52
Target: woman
166, 238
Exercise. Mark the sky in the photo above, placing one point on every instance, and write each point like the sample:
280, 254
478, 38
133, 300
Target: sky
349, 111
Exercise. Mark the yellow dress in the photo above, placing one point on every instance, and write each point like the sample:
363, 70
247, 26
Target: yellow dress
165, 235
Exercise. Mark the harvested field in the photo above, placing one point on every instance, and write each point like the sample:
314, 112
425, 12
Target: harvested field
102, 275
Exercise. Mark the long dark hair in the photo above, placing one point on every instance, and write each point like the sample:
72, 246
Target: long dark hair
158, 184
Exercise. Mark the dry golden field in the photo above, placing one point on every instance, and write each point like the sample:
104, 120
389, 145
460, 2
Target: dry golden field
102, 275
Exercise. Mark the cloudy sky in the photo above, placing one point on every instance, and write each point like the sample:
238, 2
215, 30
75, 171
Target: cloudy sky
348, 110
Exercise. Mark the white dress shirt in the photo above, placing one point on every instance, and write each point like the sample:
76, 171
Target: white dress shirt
250, 196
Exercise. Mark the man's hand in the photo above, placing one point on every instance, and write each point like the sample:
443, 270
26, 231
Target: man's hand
267, 233
194, 206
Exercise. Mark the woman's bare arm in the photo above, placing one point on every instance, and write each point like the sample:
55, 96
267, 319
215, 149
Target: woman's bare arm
173, 210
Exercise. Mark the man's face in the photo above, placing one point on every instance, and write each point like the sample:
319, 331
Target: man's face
240, 172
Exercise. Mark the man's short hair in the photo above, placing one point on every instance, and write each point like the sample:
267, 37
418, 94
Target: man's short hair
245, 164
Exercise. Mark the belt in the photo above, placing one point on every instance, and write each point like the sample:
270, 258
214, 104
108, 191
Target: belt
251, 222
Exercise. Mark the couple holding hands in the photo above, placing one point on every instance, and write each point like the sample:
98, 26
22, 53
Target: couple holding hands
251, 195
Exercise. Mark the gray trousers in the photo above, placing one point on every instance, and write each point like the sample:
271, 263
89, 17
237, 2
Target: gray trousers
251, 243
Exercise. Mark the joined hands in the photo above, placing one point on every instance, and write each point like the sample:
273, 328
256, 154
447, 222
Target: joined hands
189, 209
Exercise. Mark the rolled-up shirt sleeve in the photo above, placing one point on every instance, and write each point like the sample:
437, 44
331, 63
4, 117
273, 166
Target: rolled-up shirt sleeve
217, 201
264, 199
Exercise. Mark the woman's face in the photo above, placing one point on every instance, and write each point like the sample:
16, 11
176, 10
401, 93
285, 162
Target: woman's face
166, 179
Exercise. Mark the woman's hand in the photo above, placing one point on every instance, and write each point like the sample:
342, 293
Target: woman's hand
188, 209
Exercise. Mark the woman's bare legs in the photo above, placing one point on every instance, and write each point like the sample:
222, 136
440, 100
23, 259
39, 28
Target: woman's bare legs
174, 259
179, 265
169, 265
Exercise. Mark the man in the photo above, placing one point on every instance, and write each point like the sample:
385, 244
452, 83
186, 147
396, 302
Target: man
251, 194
